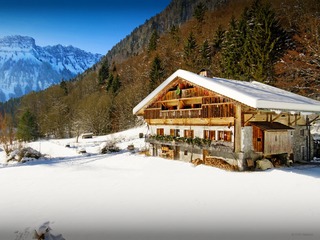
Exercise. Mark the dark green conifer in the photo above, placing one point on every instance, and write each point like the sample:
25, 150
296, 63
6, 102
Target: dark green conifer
190, 51
109, 82
116, 84
206, 54
27, 127
254, 44
199, 12
104, 72
153, 41
218, 39
156, 73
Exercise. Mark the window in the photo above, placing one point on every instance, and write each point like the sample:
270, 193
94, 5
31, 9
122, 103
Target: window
185, 152
160, 131
224, 136
209, 134
188, 133
175, 132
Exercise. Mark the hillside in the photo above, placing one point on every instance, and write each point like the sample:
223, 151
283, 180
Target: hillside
177, 13
101, 100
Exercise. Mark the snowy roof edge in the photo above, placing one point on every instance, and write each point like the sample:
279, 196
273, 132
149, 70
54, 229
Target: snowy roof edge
244, 92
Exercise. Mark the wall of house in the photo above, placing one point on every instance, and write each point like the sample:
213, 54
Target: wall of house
300, 143
187, 152
246, 139
198, 130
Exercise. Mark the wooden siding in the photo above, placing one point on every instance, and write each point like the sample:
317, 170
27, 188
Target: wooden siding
207, 111
187, 101
277, 142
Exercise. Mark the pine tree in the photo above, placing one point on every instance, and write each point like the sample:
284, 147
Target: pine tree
267, 42
27, 127
218, 39
231, 51
199, 12
190, 51
153, 41
104, 72
156, 73
116, 84
63, 85
174, 32
109, 82
206, 54
254, 44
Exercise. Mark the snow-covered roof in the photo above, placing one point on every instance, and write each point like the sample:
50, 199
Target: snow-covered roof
253, 94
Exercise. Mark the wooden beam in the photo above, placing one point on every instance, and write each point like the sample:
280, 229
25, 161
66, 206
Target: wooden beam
272, 120
296, 119
311, 121
237, 129
253, 115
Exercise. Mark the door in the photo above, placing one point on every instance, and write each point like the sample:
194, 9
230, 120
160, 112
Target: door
258, 139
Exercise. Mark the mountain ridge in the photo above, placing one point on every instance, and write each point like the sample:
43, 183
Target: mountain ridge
175, 14
26, 67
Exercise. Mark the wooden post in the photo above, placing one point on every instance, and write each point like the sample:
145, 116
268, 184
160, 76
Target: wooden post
237, 128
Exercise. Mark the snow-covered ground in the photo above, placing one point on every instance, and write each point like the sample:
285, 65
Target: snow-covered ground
130, 196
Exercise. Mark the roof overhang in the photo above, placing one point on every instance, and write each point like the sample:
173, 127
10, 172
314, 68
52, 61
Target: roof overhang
253, 94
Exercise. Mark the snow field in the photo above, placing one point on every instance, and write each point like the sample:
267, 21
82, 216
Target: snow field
130, 196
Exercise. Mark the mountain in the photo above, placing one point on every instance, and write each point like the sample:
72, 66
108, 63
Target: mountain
26, 67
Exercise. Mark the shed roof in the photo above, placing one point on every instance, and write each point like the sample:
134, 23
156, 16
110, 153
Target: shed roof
253, 94
270, 126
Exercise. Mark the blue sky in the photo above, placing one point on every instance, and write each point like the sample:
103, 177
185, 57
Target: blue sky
92, 25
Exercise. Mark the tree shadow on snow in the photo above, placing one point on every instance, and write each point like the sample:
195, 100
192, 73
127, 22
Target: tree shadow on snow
82, 159
309, 169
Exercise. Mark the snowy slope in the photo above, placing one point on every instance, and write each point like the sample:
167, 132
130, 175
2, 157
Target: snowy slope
130, 196
26, 67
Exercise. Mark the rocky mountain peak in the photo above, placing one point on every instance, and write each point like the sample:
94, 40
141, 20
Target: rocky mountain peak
26, 67
17, 42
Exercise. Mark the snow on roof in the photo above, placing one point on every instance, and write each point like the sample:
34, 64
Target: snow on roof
253, 94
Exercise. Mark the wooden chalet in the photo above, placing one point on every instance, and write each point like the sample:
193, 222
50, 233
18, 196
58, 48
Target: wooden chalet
194, 116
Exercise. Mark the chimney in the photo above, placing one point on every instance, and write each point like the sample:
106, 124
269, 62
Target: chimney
205, 73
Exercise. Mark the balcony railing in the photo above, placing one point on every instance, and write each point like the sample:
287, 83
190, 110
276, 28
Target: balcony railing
218, 110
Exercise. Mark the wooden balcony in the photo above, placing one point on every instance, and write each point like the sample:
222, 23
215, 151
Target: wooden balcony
217, 110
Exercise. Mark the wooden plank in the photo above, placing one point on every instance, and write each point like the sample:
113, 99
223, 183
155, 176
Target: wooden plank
193, 121
237, 130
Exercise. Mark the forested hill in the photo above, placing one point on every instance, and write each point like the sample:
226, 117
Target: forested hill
177, 13
271, 41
